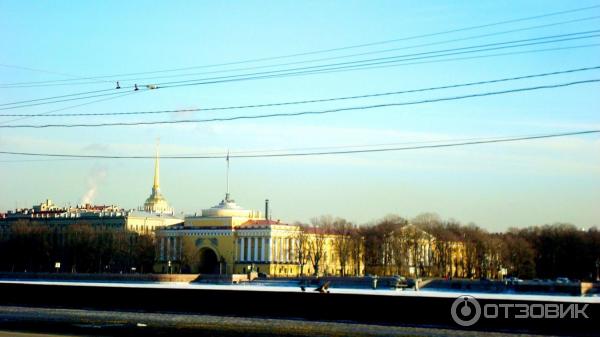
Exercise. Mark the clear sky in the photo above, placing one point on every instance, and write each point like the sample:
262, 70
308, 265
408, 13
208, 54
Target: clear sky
496, 186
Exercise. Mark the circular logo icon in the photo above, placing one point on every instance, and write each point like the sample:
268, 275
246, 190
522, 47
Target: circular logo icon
465, 310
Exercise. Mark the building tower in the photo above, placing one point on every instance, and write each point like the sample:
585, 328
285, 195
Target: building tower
156, 203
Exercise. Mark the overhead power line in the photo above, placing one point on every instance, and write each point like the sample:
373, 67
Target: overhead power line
322, 153
343, 66
48, 113
451, 86
349, 55
117, 93
55, 97
450, 59
73, 77
414, 56
355, 46
383, 66
314, 148
294, 114
123, 80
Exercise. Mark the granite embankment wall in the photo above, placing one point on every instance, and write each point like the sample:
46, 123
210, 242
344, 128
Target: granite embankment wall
185, 278
100, 277
406, 309
345, 282
529, 287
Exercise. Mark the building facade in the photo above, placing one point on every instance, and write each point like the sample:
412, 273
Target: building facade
155, 213
228, 239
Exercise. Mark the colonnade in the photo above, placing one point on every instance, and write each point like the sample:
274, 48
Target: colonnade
170, 248
266, 249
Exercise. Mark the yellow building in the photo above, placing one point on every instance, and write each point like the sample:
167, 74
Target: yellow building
228, 239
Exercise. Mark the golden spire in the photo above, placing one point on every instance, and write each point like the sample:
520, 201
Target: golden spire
156, 203
156, 185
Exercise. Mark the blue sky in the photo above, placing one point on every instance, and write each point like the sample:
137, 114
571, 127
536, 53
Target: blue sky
495, 186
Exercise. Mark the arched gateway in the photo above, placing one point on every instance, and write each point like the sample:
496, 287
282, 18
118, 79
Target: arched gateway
208, 261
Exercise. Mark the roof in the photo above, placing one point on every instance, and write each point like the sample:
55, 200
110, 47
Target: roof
261, 222
153, 215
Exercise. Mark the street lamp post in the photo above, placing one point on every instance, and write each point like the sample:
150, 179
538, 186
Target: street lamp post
169, 264
57, 266
598, 269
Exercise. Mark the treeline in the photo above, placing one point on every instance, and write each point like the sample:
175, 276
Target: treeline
426, 246
430, 246
81, 248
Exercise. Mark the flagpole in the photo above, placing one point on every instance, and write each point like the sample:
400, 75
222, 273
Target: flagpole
227, 180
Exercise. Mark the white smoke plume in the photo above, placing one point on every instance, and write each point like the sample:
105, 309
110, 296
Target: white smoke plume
95, 178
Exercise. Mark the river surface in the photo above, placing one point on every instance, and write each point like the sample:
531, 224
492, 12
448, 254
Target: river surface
77, 322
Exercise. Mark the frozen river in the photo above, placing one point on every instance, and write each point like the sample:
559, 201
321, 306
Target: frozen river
260, 306
97, 323
292, 287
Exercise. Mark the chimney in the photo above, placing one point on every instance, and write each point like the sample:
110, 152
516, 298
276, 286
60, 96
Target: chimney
267, 209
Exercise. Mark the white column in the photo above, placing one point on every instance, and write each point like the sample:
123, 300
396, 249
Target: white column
285, 249
269, 249
162, 248
175, 248
248, 250
262, 249
293, 250
242, 249
255, 258
275, 251
172, 248
288, 250
280, 244
275, 257
166, 252
180, 248
169, 241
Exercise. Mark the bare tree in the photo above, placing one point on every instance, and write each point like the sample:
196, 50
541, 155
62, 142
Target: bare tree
357, 250
317, 242
342, 242
301, 247
384, 248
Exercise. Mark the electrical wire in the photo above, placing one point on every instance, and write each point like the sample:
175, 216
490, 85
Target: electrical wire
306, 154
294, 71
410, 57
123, 80
328, 50
50, 113
73, 77
55, 97
295, 114
350, 55
451, 86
